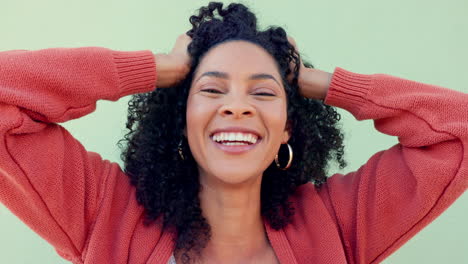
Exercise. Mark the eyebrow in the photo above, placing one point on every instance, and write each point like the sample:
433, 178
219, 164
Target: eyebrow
223, 75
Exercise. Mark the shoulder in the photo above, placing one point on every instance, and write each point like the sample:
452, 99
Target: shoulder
306, 197
311, 202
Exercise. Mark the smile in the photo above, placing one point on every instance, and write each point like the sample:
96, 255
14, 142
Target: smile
235, 142
234, 138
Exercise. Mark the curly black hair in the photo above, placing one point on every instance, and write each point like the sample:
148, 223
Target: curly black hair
168, 186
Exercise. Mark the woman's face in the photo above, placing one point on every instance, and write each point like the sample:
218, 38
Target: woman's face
236, 113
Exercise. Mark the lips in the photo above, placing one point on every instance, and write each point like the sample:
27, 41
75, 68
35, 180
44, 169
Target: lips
235, 149
235, 140
236, 130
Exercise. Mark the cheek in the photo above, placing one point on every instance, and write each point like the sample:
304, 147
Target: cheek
198, 110
275, 117
198, 115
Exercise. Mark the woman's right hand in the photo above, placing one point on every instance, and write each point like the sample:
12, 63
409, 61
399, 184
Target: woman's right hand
173, 67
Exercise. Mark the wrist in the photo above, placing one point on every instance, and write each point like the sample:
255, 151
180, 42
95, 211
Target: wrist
314, 83
169, 70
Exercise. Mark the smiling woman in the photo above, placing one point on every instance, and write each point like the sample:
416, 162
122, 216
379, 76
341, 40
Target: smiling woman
225, 161
236, 87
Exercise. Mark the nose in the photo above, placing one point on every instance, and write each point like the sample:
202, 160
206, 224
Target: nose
237, 108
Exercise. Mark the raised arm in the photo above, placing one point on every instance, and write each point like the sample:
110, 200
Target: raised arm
56, 85
47, 178
400, 190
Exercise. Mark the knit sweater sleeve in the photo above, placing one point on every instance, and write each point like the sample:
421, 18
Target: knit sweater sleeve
400, 190
47, 178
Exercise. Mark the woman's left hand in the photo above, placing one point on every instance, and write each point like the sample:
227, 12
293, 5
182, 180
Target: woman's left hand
313, 83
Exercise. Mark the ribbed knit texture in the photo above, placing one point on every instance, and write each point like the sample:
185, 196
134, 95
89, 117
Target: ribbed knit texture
85, 207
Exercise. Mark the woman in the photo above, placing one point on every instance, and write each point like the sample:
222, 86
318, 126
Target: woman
227, 157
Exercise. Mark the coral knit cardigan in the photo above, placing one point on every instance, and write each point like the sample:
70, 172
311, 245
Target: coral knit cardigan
85, 207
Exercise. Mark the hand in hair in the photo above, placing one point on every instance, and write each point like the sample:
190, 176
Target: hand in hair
313, 83
174, 66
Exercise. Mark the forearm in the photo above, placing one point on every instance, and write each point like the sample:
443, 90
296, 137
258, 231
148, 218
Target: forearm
169, 70
56, 85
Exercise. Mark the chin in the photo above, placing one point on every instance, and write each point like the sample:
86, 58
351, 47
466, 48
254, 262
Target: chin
233, 176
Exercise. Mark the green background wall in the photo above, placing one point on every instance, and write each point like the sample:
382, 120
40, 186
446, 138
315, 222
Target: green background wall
421, 40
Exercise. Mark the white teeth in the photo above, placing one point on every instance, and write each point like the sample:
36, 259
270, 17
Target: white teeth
253, 139
234, 143
235, 137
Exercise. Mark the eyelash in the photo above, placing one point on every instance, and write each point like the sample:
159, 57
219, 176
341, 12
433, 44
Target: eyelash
265, 94
219, 92
211, 91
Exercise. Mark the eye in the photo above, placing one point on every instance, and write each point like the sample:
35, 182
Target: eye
264, 94
211, 90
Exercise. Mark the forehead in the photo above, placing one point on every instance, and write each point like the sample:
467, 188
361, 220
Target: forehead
238, 58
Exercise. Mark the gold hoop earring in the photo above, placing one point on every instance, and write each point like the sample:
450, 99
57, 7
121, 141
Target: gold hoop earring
289, 161
181, 152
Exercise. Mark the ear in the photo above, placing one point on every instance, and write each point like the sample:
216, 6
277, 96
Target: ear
287, 133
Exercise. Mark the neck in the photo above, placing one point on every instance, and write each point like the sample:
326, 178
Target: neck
237, 230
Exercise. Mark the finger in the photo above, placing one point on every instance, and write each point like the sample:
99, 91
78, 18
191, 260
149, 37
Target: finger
292, 41
181, 44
